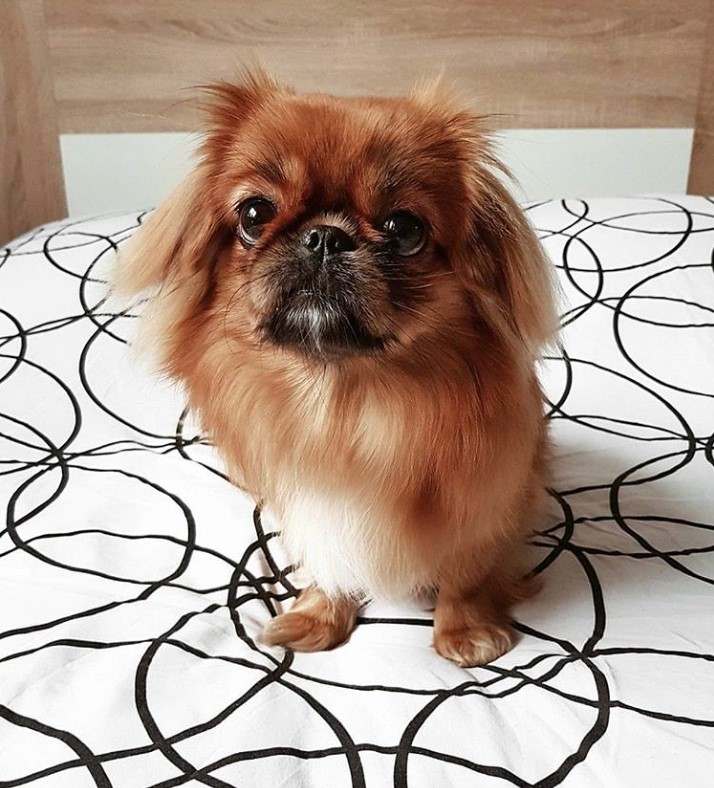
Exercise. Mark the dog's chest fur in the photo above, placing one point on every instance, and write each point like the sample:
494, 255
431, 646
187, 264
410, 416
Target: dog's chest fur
333, 489
348, 547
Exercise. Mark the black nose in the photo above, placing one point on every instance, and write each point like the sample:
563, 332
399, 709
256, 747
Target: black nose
324, 240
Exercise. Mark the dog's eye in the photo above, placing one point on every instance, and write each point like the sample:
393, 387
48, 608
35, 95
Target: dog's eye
253, 215
407, 232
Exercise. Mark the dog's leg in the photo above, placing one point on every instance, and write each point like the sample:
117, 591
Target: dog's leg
471, 619
315, 622
482, 581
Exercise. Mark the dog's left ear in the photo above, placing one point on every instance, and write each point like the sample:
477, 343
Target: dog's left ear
509, 260
503, 265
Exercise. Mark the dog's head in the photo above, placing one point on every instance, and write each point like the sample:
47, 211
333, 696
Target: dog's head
339, 228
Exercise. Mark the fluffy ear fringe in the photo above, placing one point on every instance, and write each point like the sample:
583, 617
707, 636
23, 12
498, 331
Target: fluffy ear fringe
506, 255
172, 254
164, 239
509, 258
515, 263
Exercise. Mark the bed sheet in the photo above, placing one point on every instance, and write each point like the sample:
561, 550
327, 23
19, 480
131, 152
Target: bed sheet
134, 579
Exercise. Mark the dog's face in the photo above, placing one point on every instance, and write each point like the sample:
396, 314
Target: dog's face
342, 213
340, 228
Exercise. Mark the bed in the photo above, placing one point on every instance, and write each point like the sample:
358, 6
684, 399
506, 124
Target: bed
134, 579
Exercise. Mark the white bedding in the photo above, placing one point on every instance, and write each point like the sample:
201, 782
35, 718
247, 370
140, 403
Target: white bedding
134, 579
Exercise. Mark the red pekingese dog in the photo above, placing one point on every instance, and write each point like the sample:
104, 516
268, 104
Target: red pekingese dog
355, 304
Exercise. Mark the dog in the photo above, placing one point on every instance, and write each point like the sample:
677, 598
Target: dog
356, 306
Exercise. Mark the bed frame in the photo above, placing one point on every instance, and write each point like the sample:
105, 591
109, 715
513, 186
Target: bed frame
108, 65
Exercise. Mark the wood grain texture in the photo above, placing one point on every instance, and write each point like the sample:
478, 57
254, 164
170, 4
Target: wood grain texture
31, 183
124, 66
701, 166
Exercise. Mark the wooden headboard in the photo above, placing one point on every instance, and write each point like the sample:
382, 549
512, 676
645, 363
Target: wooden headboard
110, 65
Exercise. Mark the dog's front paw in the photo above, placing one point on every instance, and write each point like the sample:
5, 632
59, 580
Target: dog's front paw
302, 632
315, 623
476, 645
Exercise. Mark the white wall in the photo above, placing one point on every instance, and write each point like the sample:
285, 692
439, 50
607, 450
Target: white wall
108, 172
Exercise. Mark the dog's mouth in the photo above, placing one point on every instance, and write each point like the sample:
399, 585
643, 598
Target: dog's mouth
320, 327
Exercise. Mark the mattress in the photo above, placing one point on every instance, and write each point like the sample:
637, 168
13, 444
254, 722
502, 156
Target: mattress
134, 579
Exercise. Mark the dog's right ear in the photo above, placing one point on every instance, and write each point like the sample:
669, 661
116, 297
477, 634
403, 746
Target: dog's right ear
171, 244
179, 236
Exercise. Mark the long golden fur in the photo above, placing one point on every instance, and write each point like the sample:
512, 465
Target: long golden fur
416, 464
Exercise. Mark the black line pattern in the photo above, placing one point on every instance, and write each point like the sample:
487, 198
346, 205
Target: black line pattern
134, 578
